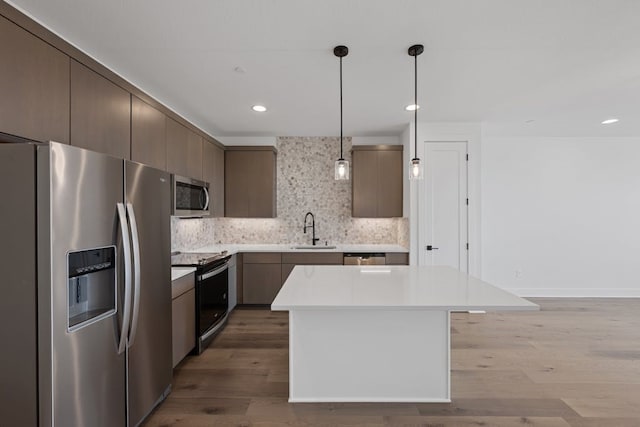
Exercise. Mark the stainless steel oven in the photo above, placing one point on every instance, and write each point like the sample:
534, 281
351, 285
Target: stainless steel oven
190, 197
212, 293
212, 301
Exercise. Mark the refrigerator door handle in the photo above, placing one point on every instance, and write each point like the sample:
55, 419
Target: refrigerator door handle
126, 249
136, 274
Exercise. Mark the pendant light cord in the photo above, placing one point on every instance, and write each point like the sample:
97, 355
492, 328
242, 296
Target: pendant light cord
415, 104
341, 158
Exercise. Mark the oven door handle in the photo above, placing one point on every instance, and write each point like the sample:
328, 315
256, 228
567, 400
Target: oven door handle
219, 270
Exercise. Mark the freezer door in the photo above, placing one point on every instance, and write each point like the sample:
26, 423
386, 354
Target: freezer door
148, 190
78, 322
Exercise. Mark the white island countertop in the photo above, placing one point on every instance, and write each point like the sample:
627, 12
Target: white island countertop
391, 287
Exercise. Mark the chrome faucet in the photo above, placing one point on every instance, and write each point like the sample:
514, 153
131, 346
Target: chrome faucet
313, 227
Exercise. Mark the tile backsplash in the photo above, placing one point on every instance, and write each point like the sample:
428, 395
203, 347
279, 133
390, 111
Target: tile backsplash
305, 183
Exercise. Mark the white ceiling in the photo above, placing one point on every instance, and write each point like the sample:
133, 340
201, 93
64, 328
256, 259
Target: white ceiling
566, 64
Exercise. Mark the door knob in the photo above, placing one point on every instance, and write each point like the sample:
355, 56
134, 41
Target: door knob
430, 248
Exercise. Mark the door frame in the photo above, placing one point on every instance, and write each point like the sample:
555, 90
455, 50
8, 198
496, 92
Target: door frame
446, 132
423, 238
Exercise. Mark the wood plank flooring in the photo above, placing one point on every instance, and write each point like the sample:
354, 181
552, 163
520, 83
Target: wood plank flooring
576, 363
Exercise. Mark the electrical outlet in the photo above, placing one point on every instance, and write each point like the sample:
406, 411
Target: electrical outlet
519, 274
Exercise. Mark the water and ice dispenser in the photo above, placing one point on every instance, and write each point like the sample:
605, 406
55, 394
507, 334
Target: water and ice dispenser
91, 285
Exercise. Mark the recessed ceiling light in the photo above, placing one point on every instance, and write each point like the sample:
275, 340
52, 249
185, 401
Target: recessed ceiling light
259, 108
609, 121
411, 107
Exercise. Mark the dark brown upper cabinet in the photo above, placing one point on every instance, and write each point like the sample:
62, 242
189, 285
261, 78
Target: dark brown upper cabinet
34, 86
184, 150
377, 181
148, 135
100, 113
250, 182
213, 173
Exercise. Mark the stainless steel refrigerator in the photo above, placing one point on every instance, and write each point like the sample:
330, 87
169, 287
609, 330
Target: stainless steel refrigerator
85, 300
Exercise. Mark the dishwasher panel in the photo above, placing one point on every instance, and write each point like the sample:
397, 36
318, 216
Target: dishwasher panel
364, 259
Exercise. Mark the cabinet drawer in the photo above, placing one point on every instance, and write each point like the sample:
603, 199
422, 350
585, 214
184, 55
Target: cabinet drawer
397, 258
182, 285
325, 258
262, 258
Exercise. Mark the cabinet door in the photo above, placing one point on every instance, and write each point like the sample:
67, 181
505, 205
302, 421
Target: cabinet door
236, 184
389, 199
194, 155
213, 173
397, 258
183, 325
148, 135
100, 113
262, 188
250, 183
184, 150
365, 183
34, 86
260, 283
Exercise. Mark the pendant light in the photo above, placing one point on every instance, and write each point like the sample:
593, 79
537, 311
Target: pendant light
342, 165
416, 168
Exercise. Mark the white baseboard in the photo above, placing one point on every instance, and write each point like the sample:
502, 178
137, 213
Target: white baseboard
576, 292
367, 399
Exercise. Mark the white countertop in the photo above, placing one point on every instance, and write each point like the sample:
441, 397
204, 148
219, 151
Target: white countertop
178, 272
232, 249
391, 287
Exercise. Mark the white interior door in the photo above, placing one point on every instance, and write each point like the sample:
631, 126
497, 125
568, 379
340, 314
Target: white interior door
444, 240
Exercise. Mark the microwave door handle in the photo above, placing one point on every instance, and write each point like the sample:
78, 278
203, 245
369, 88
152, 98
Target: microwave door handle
206, 195
136, 274
126, 249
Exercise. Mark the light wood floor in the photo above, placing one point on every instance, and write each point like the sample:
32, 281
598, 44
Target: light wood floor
575, 363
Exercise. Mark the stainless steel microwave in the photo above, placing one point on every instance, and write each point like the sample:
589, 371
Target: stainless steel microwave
190, 197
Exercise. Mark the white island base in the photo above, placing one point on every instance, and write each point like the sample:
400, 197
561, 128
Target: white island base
368, 356
377, 334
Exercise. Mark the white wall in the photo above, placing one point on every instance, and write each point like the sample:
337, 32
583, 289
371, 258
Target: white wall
562, 214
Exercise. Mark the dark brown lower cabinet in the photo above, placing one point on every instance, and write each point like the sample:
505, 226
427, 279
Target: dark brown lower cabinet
291, 259
264, 273
397, 258
261, 277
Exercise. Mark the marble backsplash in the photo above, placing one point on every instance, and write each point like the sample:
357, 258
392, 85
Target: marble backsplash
305, 183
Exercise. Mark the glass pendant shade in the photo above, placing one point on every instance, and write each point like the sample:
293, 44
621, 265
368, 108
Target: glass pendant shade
415, 169
342, 169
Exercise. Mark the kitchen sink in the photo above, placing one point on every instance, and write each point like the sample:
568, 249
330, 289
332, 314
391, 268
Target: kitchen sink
312, 247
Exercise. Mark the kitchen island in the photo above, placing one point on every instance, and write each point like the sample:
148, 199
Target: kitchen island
378, 333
